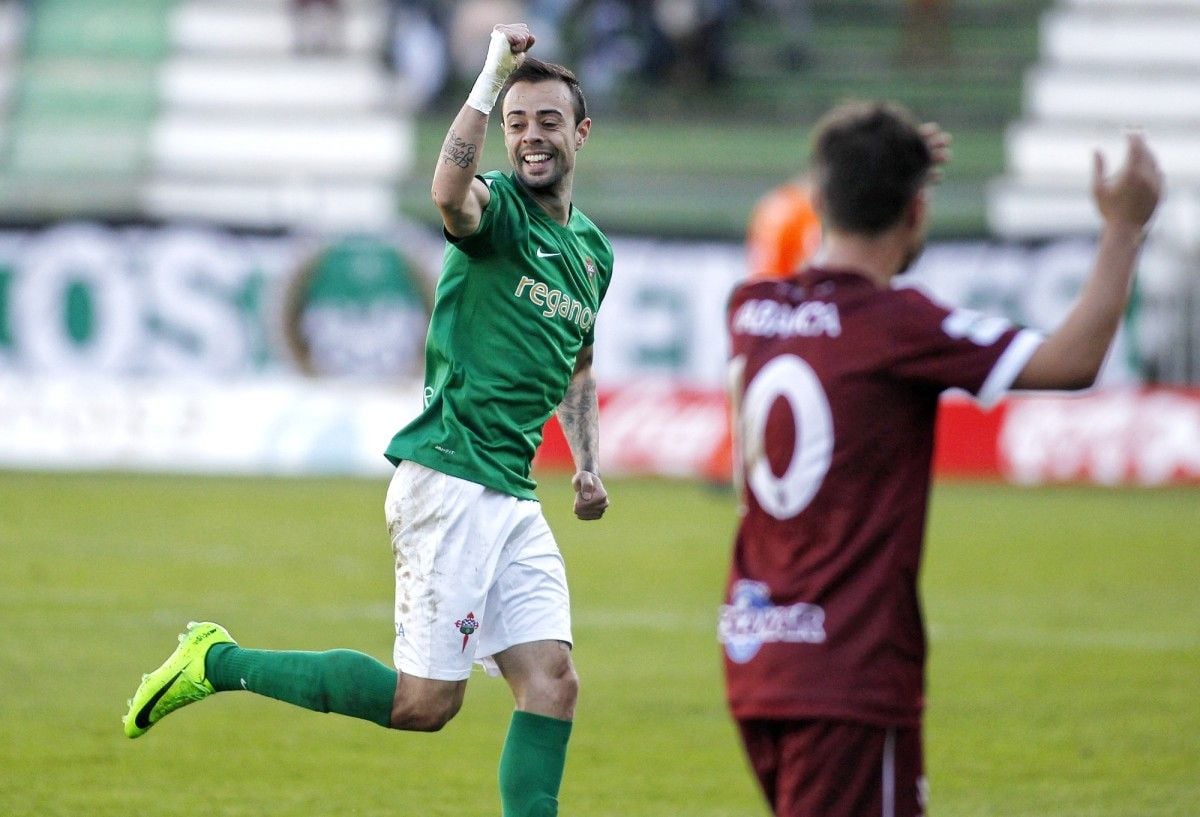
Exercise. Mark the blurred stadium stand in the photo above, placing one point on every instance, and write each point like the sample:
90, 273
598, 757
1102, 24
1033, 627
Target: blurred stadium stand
202, 109
170, 110
1104, 65
198, 110
655, 130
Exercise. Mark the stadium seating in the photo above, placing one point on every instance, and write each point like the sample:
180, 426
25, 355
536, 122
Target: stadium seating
265, 28
209, 110
1105, 65
253, 132
170, 63
11, 31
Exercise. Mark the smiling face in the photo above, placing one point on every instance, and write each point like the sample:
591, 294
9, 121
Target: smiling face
541, 134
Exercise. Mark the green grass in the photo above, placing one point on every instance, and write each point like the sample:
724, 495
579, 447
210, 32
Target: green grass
1065, 675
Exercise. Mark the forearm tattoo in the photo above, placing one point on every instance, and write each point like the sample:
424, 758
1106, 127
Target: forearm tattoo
456, 151
578, 414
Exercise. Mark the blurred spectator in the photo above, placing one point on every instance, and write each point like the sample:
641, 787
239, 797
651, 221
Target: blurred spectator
432, 42
686, 41
696, 37
549, 19
611, 50
927, 36
469, 23
794, 18
417, 49
784, 231
317, 26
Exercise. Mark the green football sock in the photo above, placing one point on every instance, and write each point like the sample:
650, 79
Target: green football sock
531, 765
342, 681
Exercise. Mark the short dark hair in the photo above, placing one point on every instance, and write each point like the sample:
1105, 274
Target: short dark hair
535, 70
869, 160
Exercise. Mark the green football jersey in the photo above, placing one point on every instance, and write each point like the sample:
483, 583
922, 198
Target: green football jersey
515, 303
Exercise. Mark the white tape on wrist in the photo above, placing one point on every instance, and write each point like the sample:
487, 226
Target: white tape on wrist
499, 64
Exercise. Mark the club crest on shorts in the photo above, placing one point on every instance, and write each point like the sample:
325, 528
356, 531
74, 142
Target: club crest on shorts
467, 626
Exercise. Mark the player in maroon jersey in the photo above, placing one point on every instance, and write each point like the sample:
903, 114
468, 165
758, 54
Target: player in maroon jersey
836, 379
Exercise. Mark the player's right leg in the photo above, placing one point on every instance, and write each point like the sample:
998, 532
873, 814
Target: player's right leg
208, 660
425, 704
446, 537
179, 681
430, 516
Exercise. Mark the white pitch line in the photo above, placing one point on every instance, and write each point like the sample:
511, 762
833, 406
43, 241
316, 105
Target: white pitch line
1073, 638
1078, 639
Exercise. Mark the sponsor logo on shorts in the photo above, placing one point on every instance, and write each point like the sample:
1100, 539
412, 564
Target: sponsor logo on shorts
467, 626
751, 620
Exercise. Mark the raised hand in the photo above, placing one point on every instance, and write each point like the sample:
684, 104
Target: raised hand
938, 142
519, 37
1132, 194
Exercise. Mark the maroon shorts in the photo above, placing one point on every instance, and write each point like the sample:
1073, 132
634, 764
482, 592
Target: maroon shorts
819, 768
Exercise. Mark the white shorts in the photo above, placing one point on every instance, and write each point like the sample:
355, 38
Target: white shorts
477, 572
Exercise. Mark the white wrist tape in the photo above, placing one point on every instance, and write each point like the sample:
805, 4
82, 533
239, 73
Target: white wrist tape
499, 64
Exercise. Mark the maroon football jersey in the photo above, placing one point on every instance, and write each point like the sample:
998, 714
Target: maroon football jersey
836, 393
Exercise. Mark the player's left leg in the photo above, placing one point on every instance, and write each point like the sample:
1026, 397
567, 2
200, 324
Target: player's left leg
180, 680
344, 682
545, 686
208, 660
528, 640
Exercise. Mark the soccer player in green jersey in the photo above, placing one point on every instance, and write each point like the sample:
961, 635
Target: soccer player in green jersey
479, 577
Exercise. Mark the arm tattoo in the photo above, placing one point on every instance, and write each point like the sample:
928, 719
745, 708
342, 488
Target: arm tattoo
578, 414
456, 151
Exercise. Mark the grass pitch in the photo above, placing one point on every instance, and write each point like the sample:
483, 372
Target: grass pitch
1065, 673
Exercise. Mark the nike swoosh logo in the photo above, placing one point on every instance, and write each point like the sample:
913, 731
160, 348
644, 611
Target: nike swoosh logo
142, 719
543, 254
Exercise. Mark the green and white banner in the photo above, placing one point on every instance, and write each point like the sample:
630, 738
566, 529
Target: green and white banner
185, 302
82, 298
203, 350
